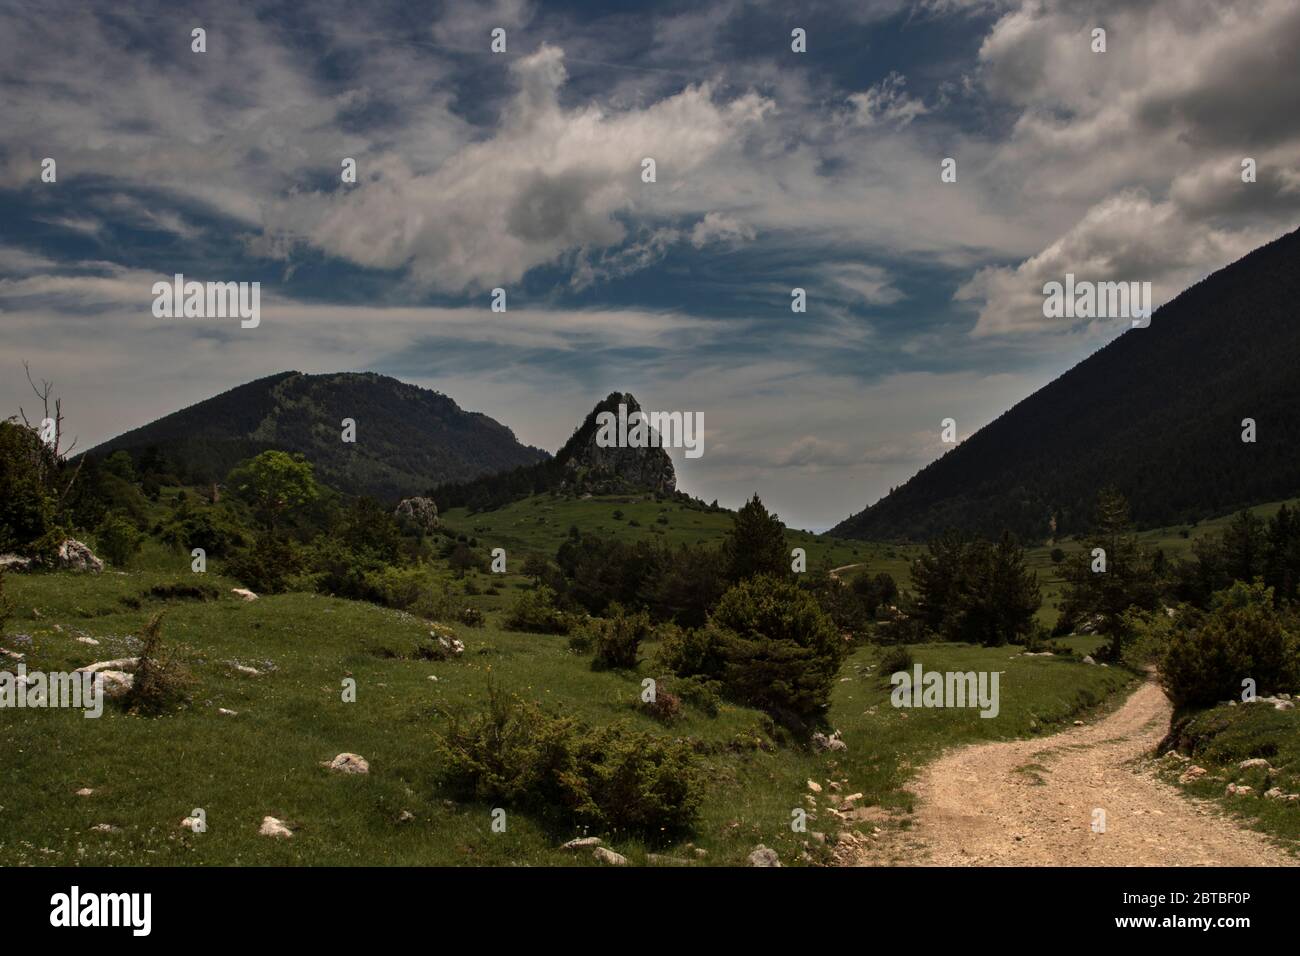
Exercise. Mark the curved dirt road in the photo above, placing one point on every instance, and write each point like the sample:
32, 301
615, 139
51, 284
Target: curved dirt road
1031, 803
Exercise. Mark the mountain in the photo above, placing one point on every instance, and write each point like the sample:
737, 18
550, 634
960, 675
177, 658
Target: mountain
1157, 413
407, 438
580, 467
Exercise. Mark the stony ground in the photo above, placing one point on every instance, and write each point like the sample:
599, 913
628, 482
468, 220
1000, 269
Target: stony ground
1032, 803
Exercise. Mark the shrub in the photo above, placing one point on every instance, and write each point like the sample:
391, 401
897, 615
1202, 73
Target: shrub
118, 539
267, 566
470, 617
610, 778
161, 681
6, 605
665, 707
700, 693
535, 611
1241, 637
893, 660
771, 646
28, 503
617, 639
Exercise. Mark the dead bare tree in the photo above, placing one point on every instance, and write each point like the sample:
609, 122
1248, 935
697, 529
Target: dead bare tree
55, 440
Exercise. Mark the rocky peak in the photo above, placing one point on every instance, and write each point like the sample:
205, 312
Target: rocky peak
589, 467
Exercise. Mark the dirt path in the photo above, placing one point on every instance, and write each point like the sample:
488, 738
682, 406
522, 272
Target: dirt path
1031, 803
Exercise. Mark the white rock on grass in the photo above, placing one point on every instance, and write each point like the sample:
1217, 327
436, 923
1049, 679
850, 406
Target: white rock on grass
762, 856
128, 664
224, 712
250, 671
604, 855
581, 843
1253, 762
350, 763
75, 556
189, 823
244, 594
271, 827
88, 640
85, 792
117, 683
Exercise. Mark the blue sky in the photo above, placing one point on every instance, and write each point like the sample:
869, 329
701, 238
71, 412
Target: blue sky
522, 170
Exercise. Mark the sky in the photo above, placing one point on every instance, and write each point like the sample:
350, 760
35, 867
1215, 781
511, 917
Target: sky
523, 170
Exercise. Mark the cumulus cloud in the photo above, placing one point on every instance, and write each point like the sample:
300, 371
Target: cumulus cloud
548, 182
1143, 142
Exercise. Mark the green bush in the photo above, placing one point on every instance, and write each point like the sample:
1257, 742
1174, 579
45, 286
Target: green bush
1241, 637
894, 659
771, 646
28, 505
535, 611
267, 566
118, 539
6, 604
617, 639
610, 778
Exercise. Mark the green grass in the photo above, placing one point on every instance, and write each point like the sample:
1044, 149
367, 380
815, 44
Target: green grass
150, 773
540, 524
1220, 738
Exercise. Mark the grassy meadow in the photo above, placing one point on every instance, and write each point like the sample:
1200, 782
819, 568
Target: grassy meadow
149, 773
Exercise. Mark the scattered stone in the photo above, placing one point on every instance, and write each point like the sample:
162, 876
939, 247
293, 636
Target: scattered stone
817, 837
814, 786
581, 843
14, 654
189, 823
75, 556
700, 852
85, 792
271, 827
1254, 762
350, 763
104, 828
1192, 773
656, 859
604, 855
88, 640
244, 594
1241, 791
250, 671
433, 677
762, 856
13, 562
406, 816
1087, 659
821, 742
1276, 793
847, 838
227, 713
1078, 723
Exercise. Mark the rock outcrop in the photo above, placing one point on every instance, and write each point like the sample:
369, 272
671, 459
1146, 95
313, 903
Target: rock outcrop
590, 467
420, 514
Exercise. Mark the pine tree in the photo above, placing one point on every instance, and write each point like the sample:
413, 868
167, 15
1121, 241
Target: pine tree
755, 544
1127, 580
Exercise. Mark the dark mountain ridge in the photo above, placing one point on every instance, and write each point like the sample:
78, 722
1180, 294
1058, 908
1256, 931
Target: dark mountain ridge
407, 438
1156, 413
